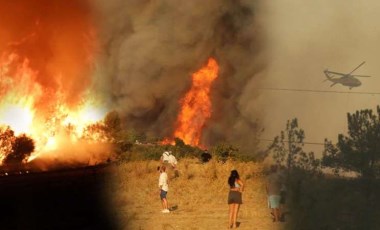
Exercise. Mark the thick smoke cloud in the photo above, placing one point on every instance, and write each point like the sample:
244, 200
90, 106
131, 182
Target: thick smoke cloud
152, 47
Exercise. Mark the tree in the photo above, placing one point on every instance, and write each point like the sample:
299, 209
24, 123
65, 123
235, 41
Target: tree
7, 137
22, 147
112, 123
358, 151
288, 148
224, 151
107, 130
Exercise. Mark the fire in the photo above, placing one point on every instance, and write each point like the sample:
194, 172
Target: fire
20, 101
46, 65
196, 105
17, 104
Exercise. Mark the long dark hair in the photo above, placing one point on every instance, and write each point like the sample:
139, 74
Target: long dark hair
231, 180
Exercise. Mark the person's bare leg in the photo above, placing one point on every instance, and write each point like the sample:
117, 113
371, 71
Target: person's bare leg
236, 209
231, 215
165, 203
276, 214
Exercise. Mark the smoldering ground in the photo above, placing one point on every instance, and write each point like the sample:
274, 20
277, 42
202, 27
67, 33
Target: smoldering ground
151, 48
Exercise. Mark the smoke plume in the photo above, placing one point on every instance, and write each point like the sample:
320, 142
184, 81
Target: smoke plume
152, 47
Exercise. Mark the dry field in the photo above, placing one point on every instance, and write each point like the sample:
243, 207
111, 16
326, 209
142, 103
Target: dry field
199, 193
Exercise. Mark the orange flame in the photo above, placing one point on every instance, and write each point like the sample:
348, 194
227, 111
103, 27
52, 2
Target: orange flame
196, 105
46, 62
20, 94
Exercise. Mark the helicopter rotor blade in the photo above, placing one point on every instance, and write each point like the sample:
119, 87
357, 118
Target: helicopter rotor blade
356, 68
360, 76
336, 73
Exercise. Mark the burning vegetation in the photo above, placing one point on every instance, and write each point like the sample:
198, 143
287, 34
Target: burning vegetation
53, 59
196, 105
47, 102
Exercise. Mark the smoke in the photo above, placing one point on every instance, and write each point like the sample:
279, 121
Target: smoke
304, 38
152, 47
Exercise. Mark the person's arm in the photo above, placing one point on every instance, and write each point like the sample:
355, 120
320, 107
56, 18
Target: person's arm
160, 182
241, 185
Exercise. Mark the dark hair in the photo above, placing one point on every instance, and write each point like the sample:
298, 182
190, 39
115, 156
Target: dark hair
231, 180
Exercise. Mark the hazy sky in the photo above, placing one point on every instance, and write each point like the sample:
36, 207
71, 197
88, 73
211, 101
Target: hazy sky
258, 44
305, 38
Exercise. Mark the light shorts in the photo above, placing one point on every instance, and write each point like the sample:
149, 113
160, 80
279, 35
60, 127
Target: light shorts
274, 201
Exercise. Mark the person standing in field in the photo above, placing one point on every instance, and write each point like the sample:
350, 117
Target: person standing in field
273, 188
234, 197
164, 188
165, 157
168, 158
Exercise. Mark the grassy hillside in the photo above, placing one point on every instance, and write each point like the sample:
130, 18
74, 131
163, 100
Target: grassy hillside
199, 193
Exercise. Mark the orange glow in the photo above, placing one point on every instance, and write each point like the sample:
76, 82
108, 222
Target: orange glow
46, 66
196, 105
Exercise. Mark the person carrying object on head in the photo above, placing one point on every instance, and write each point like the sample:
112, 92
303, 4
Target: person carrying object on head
165, 157
168, 158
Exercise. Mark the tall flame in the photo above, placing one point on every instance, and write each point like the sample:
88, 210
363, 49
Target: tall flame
196, 105
46, 61
20, 94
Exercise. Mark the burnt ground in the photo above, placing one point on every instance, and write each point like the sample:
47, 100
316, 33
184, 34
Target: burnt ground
64, 199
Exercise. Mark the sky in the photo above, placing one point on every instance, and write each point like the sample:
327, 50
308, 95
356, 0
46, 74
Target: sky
303, 39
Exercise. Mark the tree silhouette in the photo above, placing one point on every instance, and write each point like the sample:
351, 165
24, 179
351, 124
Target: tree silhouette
288, 148
22, 147
359, 151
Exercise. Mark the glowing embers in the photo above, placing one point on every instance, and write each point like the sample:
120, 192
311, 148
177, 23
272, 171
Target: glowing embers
196, 105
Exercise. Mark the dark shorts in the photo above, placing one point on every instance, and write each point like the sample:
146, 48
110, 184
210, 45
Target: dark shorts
234, 197
163, 194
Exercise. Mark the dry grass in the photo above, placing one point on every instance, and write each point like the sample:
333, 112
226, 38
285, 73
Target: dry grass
200, 193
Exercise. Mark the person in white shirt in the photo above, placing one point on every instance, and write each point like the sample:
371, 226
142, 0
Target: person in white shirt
164, 188
165, 157
168, 158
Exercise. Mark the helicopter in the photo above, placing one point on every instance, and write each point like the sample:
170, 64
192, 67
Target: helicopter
347, 79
